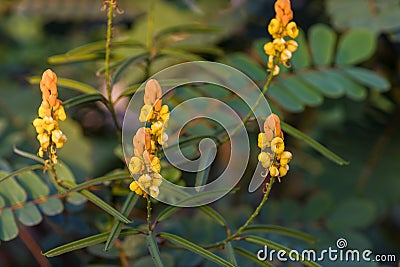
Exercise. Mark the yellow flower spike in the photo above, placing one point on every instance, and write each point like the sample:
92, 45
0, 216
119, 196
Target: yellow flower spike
285, 158
277, 145
292, 45
155, 163
269, 49
146, 113
135, 165
44, 140
154, 191
291, 30
283, 170
263, 141
273, 171
274, 27
42, 112
134, 187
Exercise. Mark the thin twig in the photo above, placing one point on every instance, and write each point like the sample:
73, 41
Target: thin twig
33, 247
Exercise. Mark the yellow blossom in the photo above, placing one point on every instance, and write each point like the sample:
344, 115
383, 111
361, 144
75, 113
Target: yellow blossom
145, 181
58, 138
156, 128
146, 113
291, 30
134, 187
274, 27
269, 49
263, 141
277, 145
135, 165
285, 158
291, 45
154, 191
155, 163
157, 179
273, 171
265, 159
283, 170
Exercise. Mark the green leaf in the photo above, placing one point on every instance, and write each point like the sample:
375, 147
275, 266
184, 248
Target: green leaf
252, 257
352, 89
200, 49
368, 78
179, 241
2, 202
98, 202
80, 99
355, 46
166, 213
204, 165
22, 170
64, 173
175, 53
130, 202
305, 92
64, 58
29, 215
11, 191
28, 155
322, 44
100, 46
86, 242
285, 98
68, 83
314, 144
324, 83
128, 62
279, 230
272, 245
212, 213
52, 206
345, 217
8, 226
301, 57
230, 253
248, 66
153, 249
190, 28
33, 185
99, 180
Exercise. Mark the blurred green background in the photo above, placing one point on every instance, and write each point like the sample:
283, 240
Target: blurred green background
358, 118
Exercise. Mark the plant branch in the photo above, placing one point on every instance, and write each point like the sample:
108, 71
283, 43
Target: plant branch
112, 4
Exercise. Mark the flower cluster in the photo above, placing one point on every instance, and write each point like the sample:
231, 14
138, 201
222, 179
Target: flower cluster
50, 112
148, 140
280, 50
272, 137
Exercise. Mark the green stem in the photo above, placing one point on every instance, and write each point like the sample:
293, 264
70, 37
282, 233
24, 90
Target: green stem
112, 4
250, 113
249, 220
148, 213
150, 26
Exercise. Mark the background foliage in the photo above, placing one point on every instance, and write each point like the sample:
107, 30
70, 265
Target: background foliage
342, 90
